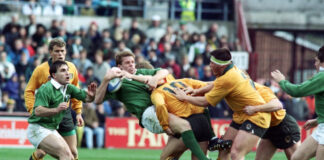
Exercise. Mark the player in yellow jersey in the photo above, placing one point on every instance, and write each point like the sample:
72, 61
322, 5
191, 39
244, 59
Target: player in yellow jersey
166, 103
238, 91
284, 132
40, 76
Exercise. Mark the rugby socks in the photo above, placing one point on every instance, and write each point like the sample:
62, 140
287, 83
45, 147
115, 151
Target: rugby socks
207, 115
190, 141
34, 157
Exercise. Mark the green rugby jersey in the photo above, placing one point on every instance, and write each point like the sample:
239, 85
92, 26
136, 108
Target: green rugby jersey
313, 86
135, 95
50, 95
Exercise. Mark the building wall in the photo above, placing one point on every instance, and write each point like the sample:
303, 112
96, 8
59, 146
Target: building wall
275, 53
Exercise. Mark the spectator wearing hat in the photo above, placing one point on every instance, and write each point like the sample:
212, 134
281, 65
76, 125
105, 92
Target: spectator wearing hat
155, 31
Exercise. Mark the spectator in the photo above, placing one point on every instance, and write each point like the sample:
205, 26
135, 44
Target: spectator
155, 31
39, 36
12, 87
83, 62
32, 8
135, 31
53, 9
100, 67
92, 127
153, 59
17, 52
87, 10
13, 23
89, 76
54, 28
171, 63
4, 101
116, 30
7, 69
30, 68
69, 8
31, 27
10, 106
208, 75
296, 107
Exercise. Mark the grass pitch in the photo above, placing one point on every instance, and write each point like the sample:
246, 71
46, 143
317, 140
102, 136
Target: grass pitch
114, 154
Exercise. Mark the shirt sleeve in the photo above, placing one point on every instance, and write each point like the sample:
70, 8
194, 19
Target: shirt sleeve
33, 84
42, 98
161, 109
76, 104
309, 87
218, 92
265, 92
77, 93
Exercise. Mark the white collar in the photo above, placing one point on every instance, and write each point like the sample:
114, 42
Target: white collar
56, 84
321, 68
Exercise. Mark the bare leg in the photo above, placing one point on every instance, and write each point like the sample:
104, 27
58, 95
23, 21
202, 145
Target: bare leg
56, 147
290, 151
229, 135
320, 152
265, 150
243, 144
72, 142
174, 147
306, 150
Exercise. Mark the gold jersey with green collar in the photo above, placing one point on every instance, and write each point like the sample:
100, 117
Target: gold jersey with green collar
165, 102
268, 95
239, 91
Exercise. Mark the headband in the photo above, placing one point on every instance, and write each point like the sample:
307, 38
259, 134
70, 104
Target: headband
219, 62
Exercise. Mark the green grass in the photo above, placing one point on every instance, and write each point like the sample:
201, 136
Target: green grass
113, 154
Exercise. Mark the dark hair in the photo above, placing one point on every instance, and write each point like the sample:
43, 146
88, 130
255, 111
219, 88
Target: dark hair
221, 54
320, 54
121, 55
55, 66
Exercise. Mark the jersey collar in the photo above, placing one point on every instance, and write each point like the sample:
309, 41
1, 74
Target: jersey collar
59, 86
228, 68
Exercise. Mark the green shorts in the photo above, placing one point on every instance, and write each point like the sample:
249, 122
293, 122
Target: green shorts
250, 127
285, 134
66, 127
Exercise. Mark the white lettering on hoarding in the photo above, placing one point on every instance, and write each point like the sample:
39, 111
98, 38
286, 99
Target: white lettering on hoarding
132, 132
13, 133
117, 131
154, 140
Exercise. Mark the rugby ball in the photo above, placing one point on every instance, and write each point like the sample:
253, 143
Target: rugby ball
114, 85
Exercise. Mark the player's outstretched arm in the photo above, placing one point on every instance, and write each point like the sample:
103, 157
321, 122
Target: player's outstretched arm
310, 124
271, 106
153, 82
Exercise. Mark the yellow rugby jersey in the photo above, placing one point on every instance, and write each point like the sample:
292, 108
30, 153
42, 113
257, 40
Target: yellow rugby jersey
268, 95
165, 102
40, 76
238, 91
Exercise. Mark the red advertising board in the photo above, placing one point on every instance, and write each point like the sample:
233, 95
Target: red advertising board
119, 133
13, 132
126, 133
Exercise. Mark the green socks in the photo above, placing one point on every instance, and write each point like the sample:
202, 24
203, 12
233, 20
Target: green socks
207, 115
190, 141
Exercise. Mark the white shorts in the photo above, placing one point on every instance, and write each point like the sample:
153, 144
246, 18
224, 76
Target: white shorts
318, 134
150, 120
36, 133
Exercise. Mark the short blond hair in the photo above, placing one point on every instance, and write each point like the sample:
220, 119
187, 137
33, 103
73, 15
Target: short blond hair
121, 55
56, 42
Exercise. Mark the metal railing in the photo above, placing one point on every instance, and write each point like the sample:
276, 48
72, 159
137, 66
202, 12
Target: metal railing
217, 9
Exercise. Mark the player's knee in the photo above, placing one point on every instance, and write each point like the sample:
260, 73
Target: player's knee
235, 153
40, 154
